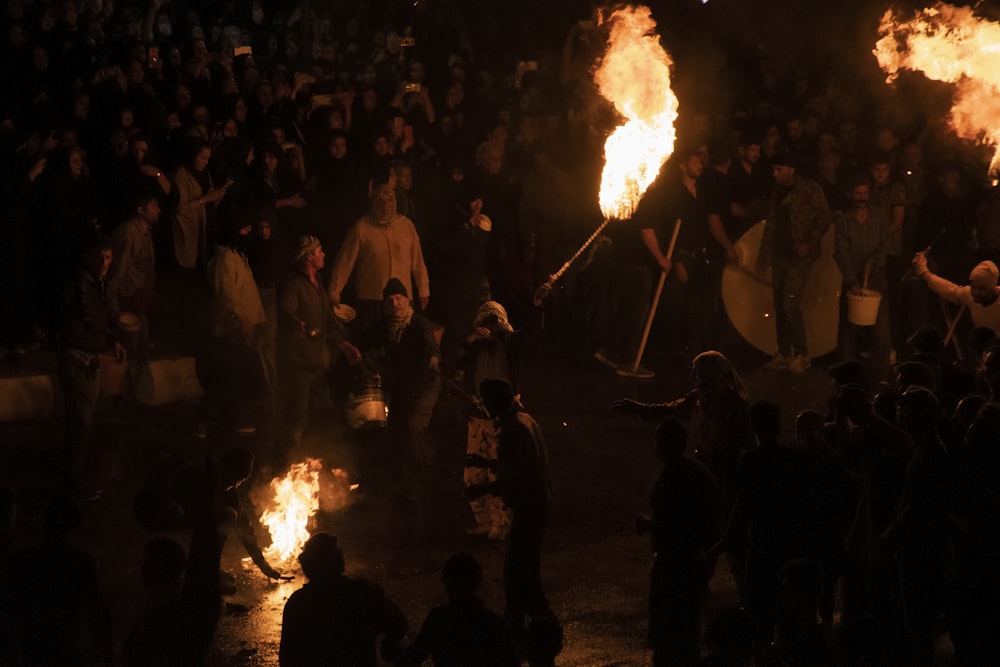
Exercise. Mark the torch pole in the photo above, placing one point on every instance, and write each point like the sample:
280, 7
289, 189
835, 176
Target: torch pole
593, 237
656, 299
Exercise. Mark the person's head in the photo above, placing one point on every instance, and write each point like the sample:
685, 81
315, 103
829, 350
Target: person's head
880, 167
383, 203
498, 397
235, 467
461, 575
266, 155
765, 416
139, 147
851, 371
404, 177
809, 429
76, 163
886, 140
926, 340
983, 283
493, 316
691, 163
671, 440
918, 411
748, 149
198, 154
914, 373
783, 169
489, 157
309, 255
851, 402
322, 558
147, 208
97, 257
712, 371
860, 191
397, 299
338, 144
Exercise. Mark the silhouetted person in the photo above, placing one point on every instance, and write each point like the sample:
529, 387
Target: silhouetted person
918, 536
523, 483
62, 617
179, 615
686, 522
975, 604
771, 504
463, 632
335, 620
170, 500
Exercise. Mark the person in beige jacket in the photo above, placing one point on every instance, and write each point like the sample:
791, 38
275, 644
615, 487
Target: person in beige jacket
195, 191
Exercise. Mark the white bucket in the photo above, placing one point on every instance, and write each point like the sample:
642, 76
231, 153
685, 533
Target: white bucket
862, 309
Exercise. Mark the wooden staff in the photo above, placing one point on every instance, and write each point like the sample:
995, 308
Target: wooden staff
656, 298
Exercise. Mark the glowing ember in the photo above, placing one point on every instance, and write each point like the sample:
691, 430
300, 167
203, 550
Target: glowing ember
296, 498
951, 44
634, 75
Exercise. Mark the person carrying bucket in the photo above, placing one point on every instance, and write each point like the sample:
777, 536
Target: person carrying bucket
862, 233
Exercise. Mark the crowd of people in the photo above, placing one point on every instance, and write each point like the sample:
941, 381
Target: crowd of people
317, 200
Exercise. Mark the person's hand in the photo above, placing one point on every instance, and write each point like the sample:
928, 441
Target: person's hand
37, 168
149, 170
434, 365
919, 263
351, 353
681, 273
213, 196
541, 294
802, 249
643, 524
120, 353
424, 300
665, 264
855, 288
479, 333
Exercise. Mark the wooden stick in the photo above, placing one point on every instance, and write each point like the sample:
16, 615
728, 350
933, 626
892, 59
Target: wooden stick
656, 298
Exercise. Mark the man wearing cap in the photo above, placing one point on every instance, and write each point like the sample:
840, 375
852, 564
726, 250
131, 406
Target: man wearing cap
412, 366
382, 245
797, 219
979, 296
306, 326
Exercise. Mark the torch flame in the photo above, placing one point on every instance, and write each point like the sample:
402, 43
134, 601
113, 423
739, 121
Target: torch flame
297, 497
950, 44
634, 75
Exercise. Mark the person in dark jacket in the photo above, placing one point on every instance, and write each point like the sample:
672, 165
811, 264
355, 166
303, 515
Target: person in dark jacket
334, 619
86, 335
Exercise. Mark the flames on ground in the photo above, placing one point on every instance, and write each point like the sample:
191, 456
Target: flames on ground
950, 44
292, 501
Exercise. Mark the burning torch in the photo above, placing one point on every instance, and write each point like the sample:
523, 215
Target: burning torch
634, 75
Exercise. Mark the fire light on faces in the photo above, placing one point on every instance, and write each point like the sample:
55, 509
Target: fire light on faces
296, 498
634, 75
950, 44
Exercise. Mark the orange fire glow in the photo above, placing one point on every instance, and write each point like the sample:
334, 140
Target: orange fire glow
950, 44
634, 75
296, 498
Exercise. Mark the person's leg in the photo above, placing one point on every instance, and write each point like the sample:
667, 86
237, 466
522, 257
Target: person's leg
791, 305
80, 383
779, 277
847, 333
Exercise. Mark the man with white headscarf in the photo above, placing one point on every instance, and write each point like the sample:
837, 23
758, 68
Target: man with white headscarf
979, 296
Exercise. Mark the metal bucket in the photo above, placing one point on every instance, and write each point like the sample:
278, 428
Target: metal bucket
367, 406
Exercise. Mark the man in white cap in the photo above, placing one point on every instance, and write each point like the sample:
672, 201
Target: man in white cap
980, 295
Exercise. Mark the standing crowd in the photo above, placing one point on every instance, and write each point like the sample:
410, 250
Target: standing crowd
319, 201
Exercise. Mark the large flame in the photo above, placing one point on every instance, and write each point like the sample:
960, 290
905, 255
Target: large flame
950, 44
296, 498
634, 75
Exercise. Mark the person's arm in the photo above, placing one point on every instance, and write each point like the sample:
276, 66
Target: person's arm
419, 269
718, 232
123, 248
945, 289
653, 246
246, 531
344, 264
420, 648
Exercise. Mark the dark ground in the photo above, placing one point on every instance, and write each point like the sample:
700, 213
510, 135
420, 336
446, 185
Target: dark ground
594, 567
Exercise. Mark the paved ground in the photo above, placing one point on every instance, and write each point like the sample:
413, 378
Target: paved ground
594, 567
